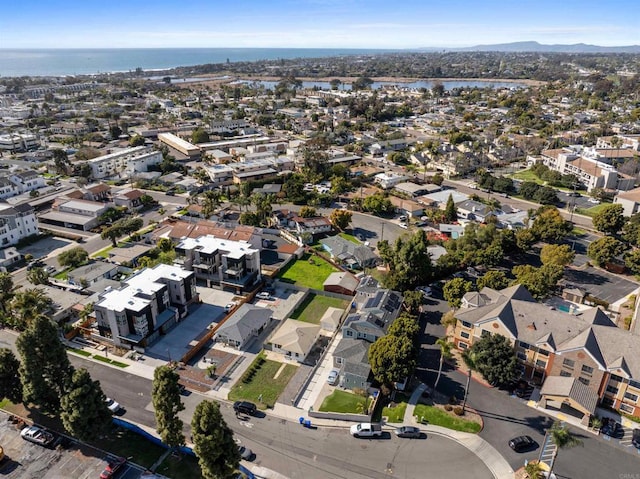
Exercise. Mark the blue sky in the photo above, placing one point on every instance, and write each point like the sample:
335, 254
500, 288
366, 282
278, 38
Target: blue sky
314, 23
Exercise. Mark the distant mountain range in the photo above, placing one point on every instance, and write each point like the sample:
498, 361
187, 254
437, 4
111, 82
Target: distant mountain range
539, 47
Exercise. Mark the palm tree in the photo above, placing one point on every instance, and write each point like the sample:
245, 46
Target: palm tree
445, 353
470, 361
563, 439
534, 470
27, 304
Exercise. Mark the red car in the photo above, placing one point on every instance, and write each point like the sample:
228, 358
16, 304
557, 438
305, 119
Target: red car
112, 468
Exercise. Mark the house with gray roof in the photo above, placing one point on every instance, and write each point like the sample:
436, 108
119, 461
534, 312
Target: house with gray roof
347, 252
474, 210
91, 273
586, 347
351, 359
244, 325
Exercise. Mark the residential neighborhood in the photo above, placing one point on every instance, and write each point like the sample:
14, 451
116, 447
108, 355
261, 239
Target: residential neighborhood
457, 264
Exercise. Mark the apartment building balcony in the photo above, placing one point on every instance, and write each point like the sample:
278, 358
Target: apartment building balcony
238, 278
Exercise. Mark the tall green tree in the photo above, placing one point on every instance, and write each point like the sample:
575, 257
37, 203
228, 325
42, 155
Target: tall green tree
412, 302
45, 368
450, 211
6, 292
199, 135
560, 254
408, 260
28, 304
455, 289
548, 225
609, 219
495, 358
604, 250
340, 219
392, 358
494, 279
405, 325
83, 408
10, 384
38, 276
308, 212
165, 395
217, 452
563, 439
538, 281
73, 257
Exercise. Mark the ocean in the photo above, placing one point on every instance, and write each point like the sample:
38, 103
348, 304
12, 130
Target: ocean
64, 62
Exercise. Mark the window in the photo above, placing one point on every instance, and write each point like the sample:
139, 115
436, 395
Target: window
587, 370
485, 333
584, 381
565, 374
607, 402
541, 364
626, 408
568, 363
522, 356
523, 345
616, 378
463, 345
349, 332
612, 390
464, 334
634, 384
631, 397
543, 352
465, 324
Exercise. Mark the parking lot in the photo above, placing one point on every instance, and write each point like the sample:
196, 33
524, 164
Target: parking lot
27, 460
600, 284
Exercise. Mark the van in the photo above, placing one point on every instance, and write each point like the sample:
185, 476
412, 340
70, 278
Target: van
244, 407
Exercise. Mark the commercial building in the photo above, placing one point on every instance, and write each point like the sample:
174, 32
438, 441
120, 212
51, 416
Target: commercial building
14, 142
148, 305
180, 145
124, 163
224, 263
75, 213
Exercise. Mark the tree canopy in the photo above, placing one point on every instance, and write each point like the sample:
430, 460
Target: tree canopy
603, 250
538, 281
609, 219
45, 368
73, 257
494, 279
83, 408
10, 384
408, 260
165, 396
340, 219
561, 255
455, 289
548, 225
217, 452
392, 358
494, 358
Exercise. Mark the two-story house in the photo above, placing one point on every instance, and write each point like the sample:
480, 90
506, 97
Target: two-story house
16, 222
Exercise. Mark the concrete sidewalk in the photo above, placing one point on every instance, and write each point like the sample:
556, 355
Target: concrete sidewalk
494, 461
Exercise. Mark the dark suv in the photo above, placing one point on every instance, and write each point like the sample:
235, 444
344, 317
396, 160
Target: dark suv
244, 407
635, 439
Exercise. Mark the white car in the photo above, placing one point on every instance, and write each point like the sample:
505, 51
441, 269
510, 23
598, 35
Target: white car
425, 290
404, 226
113, 406
332, 379
594, 201
229, 306
263, 295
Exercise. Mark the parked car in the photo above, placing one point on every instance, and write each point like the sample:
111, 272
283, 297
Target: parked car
425, 290
366, 429
402, 217
113, 406
245, 453
332, 379
37, 435
611, 427
404, 226
50, 270
635, 438
408, 431
245, 407
522, 443
229, 306
113, 467
263, 295
594, 201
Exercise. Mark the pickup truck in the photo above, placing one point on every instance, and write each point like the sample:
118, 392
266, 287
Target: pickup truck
366, 429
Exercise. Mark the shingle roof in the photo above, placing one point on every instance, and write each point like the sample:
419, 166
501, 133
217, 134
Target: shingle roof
571, 388
244, 321
295, 336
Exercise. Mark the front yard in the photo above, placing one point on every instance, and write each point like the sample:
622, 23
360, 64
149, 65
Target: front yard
438, 417
394, 412
264, 378
314, 306
344, 402
311, 271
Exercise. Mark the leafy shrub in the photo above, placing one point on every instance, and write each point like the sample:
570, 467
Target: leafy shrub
448, 407
458, 411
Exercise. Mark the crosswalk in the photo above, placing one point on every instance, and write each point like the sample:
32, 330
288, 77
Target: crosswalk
547, 450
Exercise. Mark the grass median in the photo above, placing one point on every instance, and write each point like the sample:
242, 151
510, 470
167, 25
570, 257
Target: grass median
437, 417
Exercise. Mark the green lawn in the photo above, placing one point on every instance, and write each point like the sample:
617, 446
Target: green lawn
593, 210
81, 352
310, 271
263, 383
396, 414
437, 417
110, 361
122, 442
527, 175
182, 466
349, 237
342, 401
62, 275
314, 306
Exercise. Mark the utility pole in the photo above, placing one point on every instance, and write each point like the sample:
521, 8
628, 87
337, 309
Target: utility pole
382, 232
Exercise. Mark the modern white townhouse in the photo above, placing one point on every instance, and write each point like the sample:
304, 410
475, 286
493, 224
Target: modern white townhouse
16, 222
124, 163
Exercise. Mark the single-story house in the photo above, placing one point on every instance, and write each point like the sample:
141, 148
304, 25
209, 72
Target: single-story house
92, 272
341, 283
128, 254
330, 320
294, 339
351, 254
244, 325
8, 256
